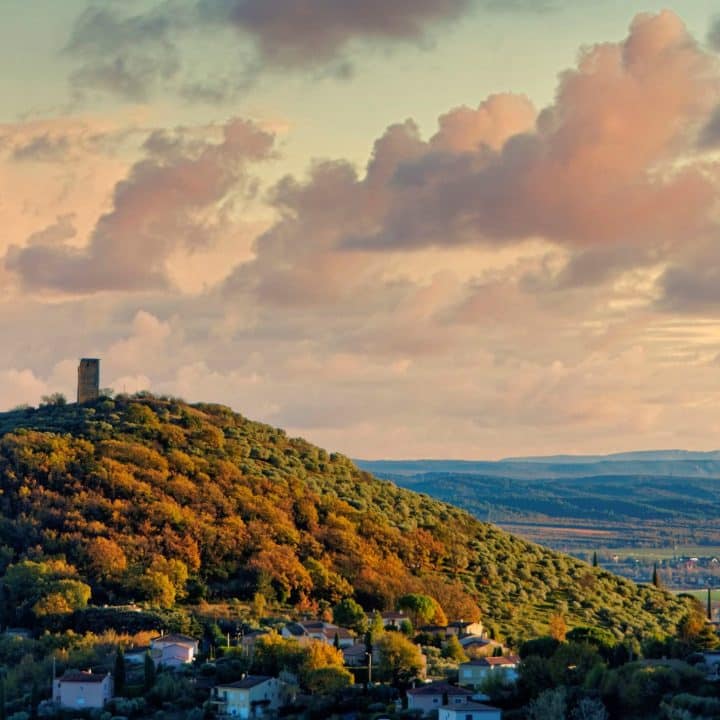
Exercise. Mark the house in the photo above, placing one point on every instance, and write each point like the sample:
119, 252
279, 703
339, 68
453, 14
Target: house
83, 689
473, 673
436, 694
462, 629
319, 630
355, 655
173, 650
252, 696
391, 618
471, 710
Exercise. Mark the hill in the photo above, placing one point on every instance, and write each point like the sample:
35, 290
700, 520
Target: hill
153, 499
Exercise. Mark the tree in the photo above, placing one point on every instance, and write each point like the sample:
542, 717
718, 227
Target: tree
328, 680
348, 613
400, 659
149, 672
119, 671
422, 609
376, 630
453, 650
595, 559
549, 705
656, 577
589, 709
106, 558
709, 604
558, 627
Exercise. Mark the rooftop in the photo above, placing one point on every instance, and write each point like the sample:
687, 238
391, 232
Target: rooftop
82, 676
439, 688
249, 681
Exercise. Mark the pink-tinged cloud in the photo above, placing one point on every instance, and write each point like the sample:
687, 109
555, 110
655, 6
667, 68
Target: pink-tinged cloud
609, 171
174, 197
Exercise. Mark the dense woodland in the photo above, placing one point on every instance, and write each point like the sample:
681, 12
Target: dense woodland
152, 499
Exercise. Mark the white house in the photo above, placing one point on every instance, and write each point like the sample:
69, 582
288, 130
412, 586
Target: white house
252, 696
173, 650
470, 710
473, 673
82, 689
436, 694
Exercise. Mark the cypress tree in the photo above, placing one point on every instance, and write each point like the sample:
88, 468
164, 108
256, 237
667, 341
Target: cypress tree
655, 576
119, 672
149, 671
3, 715
595, 559
709, 604
34, 701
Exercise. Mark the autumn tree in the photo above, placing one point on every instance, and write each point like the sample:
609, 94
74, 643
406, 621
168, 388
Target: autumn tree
400, 659
106, 559
558, 627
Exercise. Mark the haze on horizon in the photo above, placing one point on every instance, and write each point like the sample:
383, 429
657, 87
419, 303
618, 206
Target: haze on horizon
433, 229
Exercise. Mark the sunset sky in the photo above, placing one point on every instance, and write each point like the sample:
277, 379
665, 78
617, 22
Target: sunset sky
398, 228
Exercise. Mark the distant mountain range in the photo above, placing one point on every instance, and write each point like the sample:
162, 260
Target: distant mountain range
670, 463
574, 502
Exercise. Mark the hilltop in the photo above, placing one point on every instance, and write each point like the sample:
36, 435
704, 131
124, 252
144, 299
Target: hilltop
154, 499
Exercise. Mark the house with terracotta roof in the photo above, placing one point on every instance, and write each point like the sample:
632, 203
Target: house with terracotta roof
83, 689
473, 673
469, 710
434, 695
253, 696
173, 650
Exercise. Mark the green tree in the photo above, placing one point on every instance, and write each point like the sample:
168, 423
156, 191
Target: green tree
549, 705
348, 613
119, 671
589, 709
656, 577
453, 650
328, 680
149, 672
595, 559
422, 609
400, 659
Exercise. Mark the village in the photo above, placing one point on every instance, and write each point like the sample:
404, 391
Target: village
444, 675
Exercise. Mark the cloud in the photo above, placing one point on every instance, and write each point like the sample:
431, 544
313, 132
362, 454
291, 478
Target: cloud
177, 196
609, 173
713, 37
292, 33
125, 56
135, 55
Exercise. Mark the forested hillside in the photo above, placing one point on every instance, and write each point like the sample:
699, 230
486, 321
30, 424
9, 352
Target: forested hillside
156, 500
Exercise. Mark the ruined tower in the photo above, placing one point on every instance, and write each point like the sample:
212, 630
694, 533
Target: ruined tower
88, 380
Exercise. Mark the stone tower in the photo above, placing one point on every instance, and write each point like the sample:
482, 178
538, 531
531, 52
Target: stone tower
88, 380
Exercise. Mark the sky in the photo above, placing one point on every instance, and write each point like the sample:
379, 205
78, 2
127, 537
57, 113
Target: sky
408, 229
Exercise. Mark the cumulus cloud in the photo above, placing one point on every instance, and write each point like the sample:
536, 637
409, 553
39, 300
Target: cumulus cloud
608, 172
176, 196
